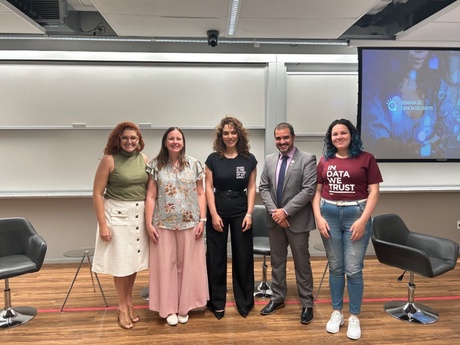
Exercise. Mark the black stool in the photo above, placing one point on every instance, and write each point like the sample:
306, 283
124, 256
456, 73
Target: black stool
261, 247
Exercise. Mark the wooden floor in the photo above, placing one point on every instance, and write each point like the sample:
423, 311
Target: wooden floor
85, 320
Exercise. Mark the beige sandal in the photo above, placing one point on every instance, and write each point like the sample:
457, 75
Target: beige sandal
134, 318
123, 320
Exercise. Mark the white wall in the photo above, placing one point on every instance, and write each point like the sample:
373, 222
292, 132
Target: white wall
48, 164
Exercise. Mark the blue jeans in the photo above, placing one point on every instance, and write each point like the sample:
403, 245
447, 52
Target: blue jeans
346, 257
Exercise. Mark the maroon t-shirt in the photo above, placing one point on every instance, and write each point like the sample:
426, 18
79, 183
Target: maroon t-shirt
348, 178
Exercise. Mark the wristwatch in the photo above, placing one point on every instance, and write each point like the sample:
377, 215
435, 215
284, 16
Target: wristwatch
203, 220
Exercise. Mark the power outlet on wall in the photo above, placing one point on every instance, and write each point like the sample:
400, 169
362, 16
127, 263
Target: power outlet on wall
458, 224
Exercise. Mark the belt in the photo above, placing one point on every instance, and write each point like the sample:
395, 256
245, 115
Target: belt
230, 193
344, 203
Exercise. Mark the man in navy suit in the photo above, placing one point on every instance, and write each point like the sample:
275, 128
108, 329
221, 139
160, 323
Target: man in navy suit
292, 219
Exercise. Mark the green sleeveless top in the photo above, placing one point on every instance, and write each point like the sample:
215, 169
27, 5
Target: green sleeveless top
128, 179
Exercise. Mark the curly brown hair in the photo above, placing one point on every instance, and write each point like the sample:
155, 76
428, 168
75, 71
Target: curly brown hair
243, 137
113, 142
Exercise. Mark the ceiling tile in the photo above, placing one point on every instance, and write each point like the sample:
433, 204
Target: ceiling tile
13, 21
305, 8
149, 26
433, 32
166, 8
292, 28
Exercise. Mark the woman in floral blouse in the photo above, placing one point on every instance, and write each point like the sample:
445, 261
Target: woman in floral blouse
175, 211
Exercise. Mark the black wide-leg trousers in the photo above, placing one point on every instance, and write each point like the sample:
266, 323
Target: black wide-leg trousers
232, 211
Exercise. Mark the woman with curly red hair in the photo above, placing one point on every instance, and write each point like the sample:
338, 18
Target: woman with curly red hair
119, 190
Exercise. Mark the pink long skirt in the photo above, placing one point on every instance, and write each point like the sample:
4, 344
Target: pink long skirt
178, 279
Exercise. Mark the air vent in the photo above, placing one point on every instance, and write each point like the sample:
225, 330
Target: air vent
56, 16
42, 11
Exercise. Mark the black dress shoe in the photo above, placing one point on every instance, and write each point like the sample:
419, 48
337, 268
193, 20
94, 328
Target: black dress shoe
271, 307
245, 311
219, 314
307, 315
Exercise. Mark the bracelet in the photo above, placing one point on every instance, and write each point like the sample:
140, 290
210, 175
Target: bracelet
203, 219
248, 215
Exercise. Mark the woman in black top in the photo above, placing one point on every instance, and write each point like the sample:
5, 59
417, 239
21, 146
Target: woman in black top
230, 194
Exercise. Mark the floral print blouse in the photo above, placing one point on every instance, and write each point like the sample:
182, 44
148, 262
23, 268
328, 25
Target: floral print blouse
176, 207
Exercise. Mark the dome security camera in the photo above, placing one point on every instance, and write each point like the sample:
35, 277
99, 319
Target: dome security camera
213, 36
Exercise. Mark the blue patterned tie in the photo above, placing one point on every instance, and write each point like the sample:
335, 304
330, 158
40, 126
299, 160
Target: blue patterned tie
279, 187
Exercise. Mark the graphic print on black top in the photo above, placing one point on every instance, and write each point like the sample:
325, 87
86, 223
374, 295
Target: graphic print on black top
240, 173
230, 174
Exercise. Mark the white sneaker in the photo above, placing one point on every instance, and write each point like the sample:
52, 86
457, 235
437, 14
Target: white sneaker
172, 319
334, 323
354, 329
182, 318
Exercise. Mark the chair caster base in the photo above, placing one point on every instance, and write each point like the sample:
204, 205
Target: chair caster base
145, 294
17, 316
411, 312
262, 290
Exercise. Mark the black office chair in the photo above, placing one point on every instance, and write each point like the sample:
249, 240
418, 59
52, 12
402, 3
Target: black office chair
22, 251
261, 247
429, 256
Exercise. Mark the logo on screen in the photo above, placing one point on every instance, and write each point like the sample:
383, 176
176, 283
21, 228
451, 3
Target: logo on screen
396, 104
392, 103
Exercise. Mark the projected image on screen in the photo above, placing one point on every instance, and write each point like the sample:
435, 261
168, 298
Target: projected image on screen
409, 103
